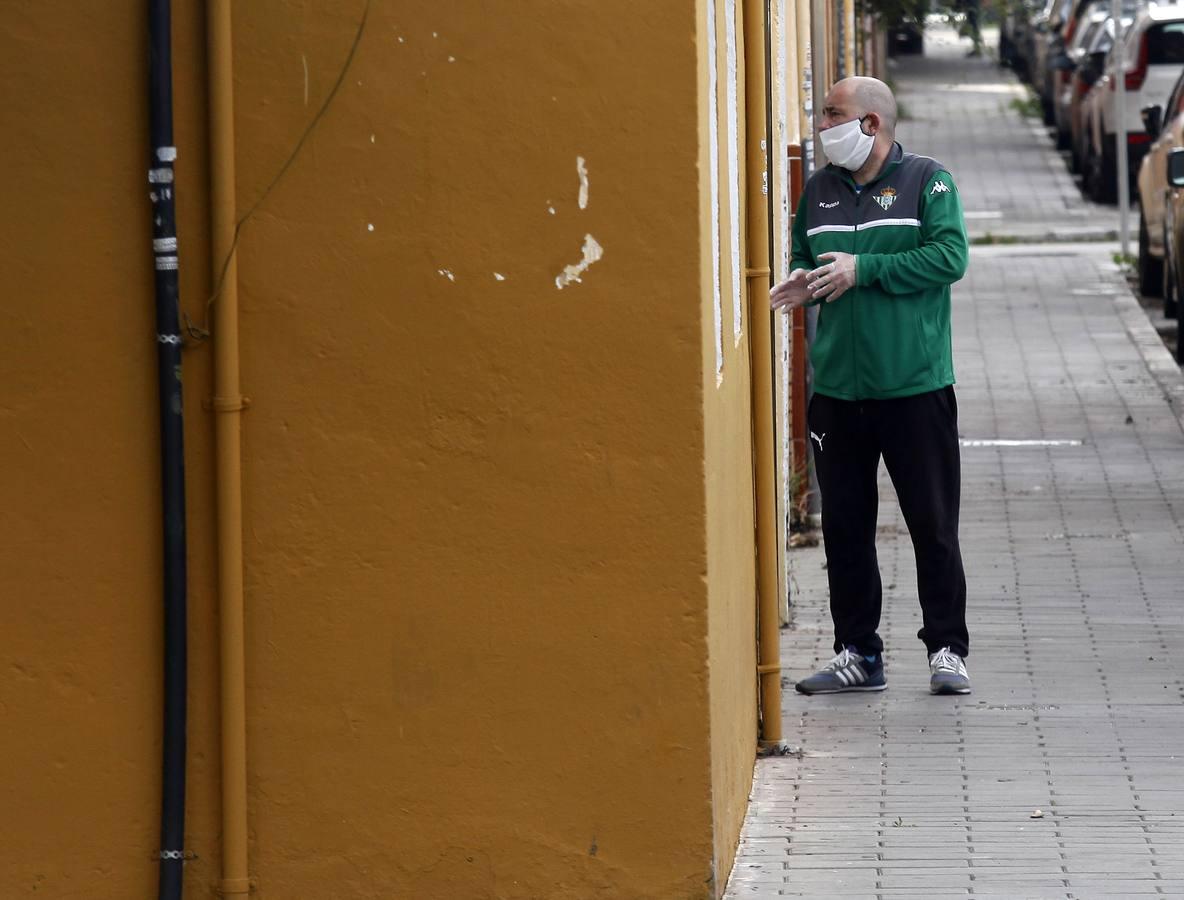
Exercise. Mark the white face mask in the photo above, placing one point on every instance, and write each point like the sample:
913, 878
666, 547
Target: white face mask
846, 145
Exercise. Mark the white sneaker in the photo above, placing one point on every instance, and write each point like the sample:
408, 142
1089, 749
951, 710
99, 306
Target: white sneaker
947, 673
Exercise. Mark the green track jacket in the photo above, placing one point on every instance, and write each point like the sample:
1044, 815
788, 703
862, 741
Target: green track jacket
889, 336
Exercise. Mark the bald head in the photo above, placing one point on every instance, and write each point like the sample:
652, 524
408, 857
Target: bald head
860, 95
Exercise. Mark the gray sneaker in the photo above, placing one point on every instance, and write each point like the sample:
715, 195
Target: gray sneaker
849, 671
947, 673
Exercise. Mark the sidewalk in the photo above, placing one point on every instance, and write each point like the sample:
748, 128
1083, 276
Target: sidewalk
1074, 553
1013, 181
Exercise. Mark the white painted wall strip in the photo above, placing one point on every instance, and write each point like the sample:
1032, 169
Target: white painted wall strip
787, 129
713, 150
787, 79
734, 170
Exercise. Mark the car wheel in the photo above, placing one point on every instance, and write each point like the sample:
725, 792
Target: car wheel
1107, 180
1169, 286
1150, 268
1170, 302
1093, 177
1179, 344
1171, 293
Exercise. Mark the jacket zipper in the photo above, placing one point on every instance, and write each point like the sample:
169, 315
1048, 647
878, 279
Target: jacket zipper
855, 252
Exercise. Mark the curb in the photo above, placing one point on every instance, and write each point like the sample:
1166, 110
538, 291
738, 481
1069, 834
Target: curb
1079, 236
1159, 361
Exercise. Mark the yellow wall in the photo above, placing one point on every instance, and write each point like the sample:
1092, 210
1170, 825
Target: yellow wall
498, 535
731, 577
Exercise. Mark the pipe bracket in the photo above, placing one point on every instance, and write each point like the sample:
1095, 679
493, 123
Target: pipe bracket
231, 887
758, 273
768, 668
227, 404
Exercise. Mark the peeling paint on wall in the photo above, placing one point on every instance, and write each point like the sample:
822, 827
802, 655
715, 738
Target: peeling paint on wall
713, 150
571, 273
498, 276
582, 171
734, 171
447, 273
765, 168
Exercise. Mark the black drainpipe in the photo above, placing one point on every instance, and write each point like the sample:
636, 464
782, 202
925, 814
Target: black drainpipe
172, 457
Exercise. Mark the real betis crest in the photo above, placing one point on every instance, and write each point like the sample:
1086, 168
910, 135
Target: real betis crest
886, 198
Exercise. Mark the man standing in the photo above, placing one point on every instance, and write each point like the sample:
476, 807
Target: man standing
878, 239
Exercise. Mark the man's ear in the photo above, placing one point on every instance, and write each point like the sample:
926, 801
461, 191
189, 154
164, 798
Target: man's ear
871, 125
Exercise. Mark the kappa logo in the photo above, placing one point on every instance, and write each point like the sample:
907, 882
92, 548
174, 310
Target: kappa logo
819, 438
886, 198
939, 187
828, 205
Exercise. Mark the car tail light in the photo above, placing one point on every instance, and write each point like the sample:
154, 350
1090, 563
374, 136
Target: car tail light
1137, 137
1136, 77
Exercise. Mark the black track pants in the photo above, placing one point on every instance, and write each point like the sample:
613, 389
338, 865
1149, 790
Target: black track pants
918, 438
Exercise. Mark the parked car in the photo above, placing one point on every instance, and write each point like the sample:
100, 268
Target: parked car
1084, 123
906, 38
1027, 39
1174, 244
1088, 21
1085, 76
1165, 126
1145, 61
1015, 36
1048, 46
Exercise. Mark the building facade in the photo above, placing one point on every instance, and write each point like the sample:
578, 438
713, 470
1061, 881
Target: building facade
497, 462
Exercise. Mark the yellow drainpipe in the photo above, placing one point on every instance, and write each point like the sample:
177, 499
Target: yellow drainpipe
756, 175
228, 404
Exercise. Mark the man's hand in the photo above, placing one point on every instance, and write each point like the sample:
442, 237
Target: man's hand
791, 293
831, 281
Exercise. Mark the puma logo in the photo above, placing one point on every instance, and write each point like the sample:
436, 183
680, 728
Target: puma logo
818, 437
